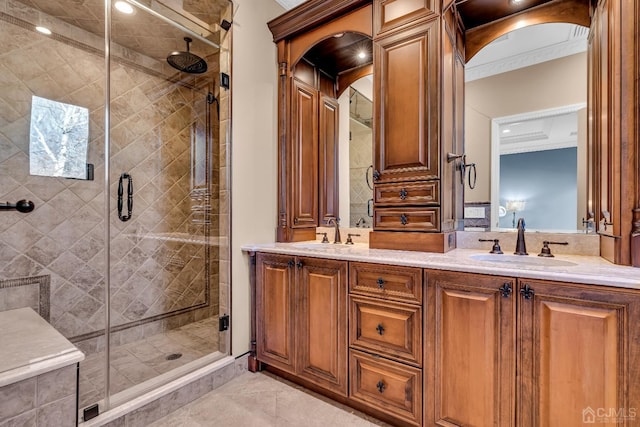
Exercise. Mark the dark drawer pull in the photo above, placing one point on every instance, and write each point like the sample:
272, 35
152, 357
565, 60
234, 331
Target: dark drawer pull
380, 329
403, 194
506, 290
403, 219
380, 283
380, 386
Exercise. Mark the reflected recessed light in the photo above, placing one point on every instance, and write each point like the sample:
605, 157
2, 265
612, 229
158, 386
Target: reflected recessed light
43, 30
362, 55
516, 1
338, 35
124, 7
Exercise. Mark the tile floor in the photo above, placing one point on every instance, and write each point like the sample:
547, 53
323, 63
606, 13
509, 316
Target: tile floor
136, 362
263, 400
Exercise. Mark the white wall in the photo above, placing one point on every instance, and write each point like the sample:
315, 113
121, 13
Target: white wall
254, 149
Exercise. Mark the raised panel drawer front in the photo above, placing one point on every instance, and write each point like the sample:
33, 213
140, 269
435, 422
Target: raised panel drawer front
420, 193
386, 281
387, 386
406, 219
393, 14
390, 329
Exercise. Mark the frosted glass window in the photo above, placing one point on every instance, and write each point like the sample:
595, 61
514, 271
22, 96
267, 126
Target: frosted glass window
58, 139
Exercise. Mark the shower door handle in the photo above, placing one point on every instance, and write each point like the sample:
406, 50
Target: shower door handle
126, 176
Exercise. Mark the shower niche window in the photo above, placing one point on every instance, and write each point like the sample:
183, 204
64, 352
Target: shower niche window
58, 139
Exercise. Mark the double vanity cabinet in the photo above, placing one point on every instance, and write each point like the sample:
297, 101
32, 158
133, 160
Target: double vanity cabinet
427, 345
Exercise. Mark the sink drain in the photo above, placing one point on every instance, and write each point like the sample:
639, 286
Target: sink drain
174, 356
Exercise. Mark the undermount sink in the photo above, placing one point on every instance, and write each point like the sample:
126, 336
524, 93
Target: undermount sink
522, 260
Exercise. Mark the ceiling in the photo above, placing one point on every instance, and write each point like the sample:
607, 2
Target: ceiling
548, 132
525, 47
140, 31
337, 54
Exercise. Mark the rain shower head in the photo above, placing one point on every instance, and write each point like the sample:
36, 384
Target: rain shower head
187, 61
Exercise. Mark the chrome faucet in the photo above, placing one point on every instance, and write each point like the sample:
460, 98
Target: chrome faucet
521, 247
360, 222
336, 224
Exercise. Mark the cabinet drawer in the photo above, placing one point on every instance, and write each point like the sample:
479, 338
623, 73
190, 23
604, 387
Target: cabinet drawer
417, 193
386, 281
390, 329
406, 219
387, 386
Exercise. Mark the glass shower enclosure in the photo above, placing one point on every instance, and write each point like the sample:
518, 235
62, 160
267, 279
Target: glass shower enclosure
114, 122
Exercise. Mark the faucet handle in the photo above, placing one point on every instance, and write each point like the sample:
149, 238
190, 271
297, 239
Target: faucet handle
325, 239
546, 251
349, 240
496, 245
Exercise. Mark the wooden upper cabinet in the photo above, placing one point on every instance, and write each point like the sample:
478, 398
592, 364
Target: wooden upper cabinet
304, 171
471, 337
392, 15
585, 353
406, 107
328, 166
275, 311
322, 325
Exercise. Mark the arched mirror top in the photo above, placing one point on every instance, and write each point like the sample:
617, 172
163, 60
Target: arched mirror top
566, 11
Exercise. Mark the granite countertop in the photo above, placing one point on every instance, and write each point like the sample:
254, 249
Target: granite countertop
565, 268
31, 346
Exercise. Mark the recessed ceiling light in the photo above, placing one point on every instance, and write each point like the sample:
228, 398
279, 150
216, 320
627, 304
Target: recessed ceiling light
506, 130
362, 54
124, 7
43, 30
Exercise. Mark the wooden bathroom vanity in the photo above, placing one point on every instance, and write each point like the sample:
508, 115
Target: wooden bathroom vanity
444, 339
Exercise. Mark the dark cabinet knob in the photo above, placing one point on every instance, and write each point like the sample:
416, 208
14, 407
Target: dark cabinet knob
380, 283
403, 219
291, 263
527, 292
380, 386
380, 329
299, 264
376, 175
506, 290
403, 194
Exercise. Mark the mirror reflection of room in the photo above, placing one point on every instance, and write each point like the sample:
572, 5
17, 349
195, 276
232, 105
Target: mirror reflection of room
360, 143
516, 93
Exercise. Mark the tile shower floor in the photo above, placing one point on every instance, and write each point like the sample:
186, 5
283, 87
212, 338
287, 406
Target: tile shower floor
136, 362
263, 400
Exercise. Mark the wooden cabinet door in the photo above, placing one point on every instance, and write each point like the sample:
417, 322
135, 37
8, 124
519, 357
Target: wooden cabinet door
328, 168
304, 170
579, 350
471, 347
406, 85
275, 310
322, 323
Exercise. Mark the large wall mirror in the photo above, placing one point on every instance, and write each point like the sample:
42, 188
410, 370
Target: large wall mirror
356, 153
526, 130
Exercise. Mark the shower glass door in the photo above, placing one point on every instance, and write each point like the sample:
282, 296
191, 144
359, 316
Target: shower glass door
168, 216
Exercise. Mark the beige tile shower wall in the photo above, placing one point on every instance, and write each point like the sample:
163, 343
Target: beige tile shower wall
153, 125
360, 158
